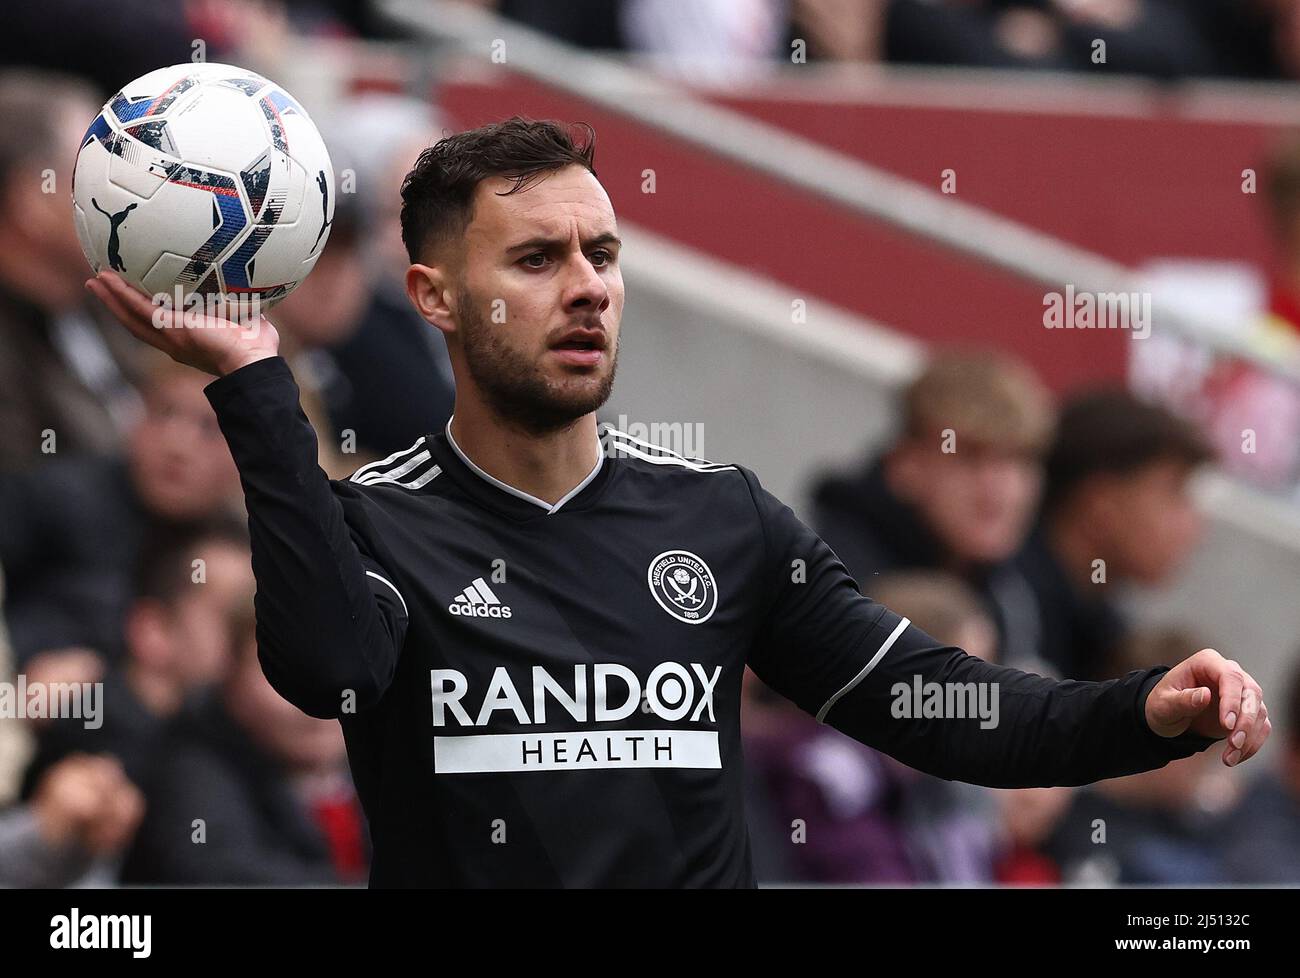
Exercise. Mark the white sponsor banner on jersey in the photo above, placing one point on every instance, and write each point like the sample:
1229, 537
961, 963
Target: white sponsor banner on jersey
577, 750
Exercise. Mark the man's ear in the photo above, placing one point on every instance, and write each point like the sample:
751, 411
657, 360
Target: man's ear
429, 288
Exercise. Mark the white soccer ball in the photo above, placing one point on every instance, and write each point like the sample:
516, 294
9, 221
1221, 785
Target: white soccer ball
205, 177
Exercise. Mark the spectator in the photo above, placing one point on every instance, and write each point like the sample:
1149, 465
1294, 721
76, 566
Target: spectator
114, 43
829, 807
706, 38
951, 827
587, 23
325, 309
1164, 38
395, 351
840, 812
84, 810
251, 791
1278, 332
955, 492
1263, 844
717, 39
71, 531
1256, 307
15, 739
1116, 510
177, 644
65, 375
839, 30
349, 330
1162, 827
1027, 817
383, 133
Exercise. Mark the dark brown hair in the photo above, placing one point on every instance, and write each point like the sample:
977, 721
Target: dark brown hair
1112, 432
438, 193
164, 567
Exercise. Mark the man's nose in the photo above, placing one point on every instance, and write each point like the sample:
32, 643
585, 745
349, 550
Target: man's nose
587, 288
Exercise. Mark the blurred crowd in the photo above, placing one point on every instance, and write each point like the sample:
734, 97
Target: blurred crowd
124, 557
1159, 38
123, 542
712, 38
1011, 528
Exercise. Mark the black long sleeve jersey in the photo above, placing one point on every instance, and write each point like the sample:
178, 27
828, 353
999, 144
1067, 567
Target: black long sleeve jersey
537, 694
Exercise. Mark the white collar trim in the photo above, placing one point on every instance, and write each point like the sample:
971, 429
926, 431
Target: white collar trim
551, 510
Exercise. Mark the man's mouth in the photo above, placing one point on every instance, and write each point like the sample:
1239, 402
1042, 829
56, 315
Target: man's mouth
581, 347
578, 354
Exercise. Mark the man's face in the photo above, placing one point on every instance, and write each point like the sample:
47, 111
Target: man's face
180, 464
185, 642
295, 739
1145, 521
535, 267
201, 618
977, 501
40, 211
327, 307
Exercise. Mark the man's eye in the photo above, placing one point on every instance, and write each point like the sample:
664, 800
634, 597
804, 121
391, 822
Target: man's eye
535, 260
601, 257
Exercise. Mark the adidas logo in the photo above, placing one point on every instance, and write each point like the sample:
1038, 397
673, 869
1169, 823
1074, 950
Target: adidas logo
478, 601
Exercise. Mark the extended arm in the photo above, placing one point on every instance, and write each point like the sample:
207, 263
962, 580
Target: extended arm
864, 670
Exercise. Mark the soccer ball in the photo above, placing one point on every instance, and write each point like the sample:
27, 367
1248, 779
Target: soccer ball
204, 180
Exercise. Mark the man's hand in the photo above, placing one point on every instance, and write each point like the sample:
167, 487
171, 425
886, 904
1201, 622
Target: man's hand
1214, 697
214, 345
86, 800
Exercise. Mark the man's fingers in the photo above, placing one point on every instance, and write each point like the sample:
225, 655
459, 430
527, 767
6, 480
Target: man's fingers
1248, 717
143, 311
133, 299
120, 312
1231, 683
1169, 710
1259, 733
1186, 703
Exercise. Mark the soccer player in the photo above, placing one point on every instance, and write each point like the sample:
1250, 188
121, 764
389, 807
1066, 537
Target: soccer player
533, 632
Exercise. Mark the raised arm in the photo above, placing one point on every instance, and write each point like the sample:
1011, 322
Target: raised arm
330, 615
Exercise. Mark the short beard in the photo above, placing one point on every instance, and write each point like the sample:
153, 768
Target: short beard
514, 387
